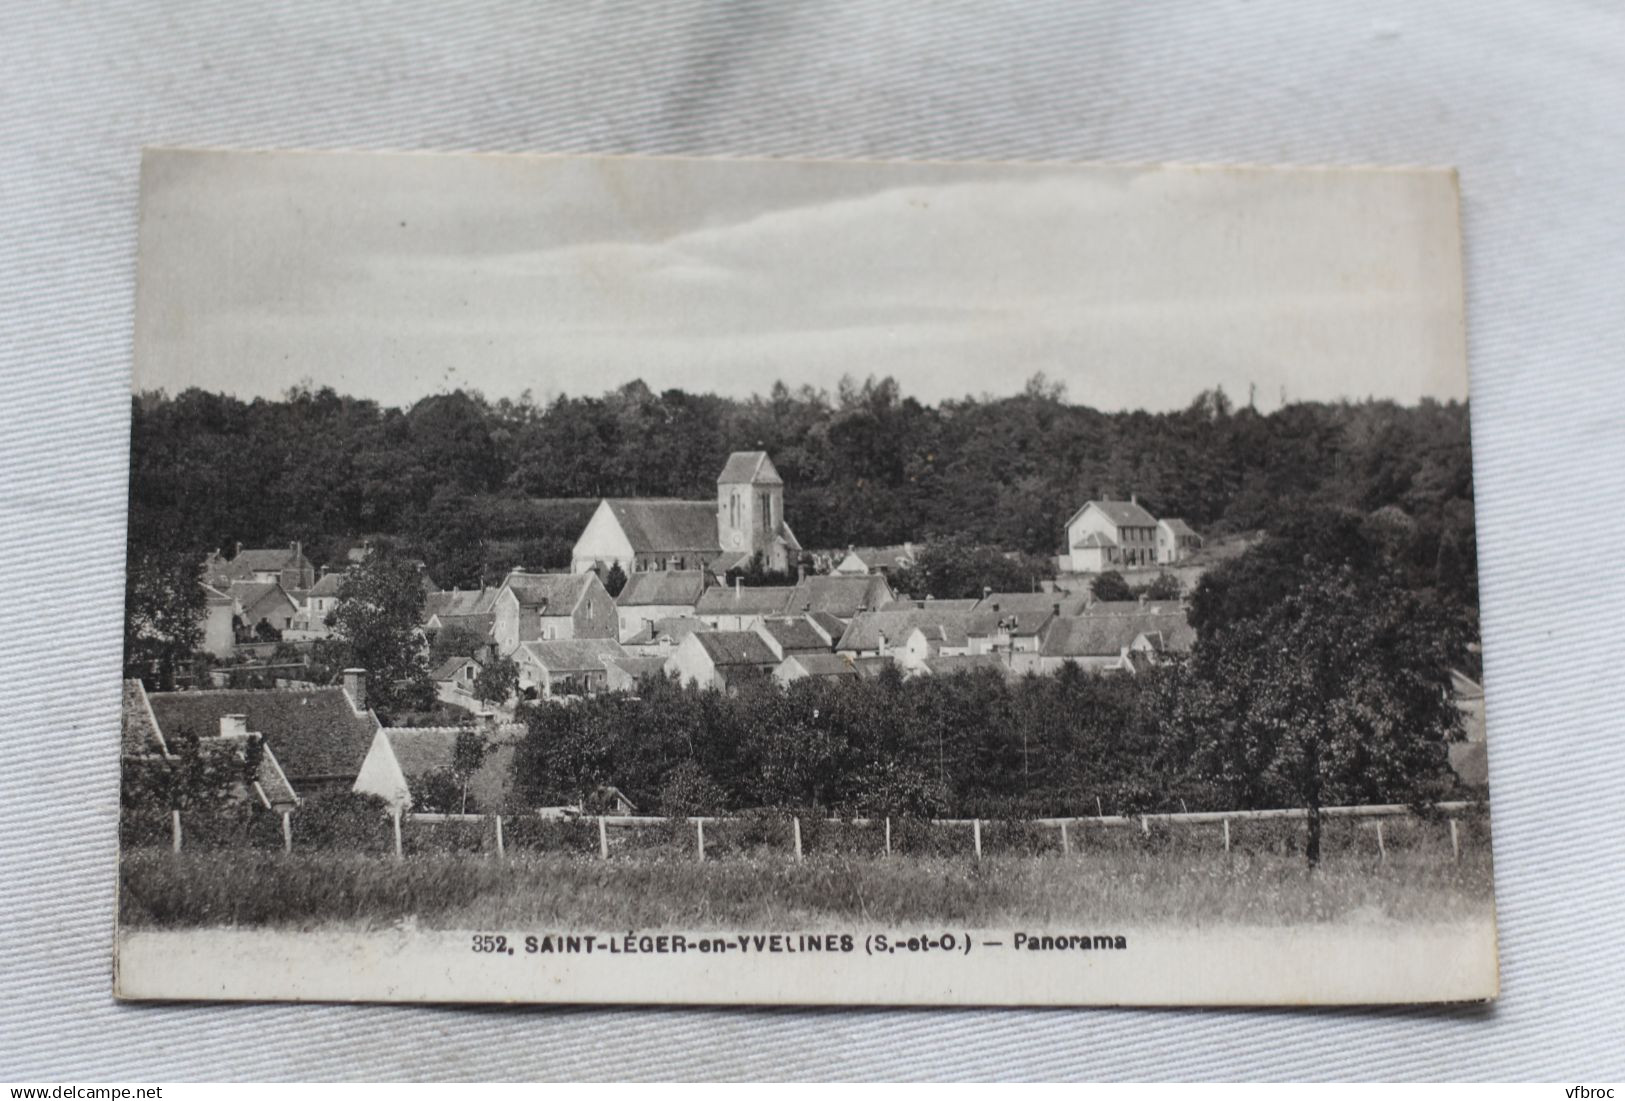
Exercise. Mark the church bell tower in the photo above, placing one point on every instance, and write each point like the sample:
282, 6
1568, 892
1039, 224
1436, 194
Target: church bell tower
750, 509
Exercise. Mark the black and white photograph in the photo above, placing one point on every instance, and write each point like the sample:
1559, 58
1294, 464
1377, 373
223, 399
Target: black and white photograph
663, 580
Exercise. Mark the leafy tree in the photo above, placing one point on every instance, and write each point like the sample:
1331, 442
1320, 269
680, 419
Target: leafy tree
379, 606
688, 791
467, 755
164, 604
1337, 694
1110, 586
615, 580
956, 567
1165, 586
497, 682
454, 642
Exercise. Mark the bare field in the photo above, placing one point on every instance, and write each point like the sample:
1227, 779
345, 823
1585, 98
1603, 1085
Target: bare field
159, 889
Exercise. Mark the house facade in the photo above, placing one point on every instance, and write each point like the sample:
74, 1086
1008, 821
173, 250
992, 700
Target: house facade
651, 597
1110, 535
740, 607
547, 607
562, 668
284, 566
720, 659
1175, 540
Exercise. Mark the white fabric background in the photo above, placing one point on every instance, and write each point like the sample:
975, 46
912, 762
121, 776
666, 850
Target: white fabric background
1527, 99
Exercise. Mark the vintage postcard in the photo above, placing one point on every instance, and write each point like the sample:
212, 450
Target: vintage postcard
713, 581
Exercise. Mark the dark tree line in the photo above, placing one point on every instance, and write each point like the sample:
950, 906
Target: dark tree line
475, 486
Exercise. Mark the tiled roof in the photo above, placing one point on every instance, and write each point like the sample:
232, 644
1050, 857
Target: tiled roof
259, 598
640, 667
212, 595
795, 634
822, 664
480, 624
864, 632
1107, 635
573, 655
750, 466
1120, 513
1134, 607
138, 730
657, 526
449, 668
907, 604
315, 732
953, 635
885, 558
556, 593
965, 663
327, 585
872, 667
677, 628
1095, 539
269, 775
423, 751
840, 596
1176, 525
744, 600
662, 587
834, 626
728, 648
457, 602
1032, 602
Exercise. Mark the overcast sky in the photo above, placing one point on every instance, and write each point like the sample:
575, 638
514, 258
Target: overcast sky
397, 276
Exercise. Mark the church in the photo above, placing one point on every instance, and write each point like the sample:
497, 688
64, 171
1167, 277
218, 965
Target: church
651, 534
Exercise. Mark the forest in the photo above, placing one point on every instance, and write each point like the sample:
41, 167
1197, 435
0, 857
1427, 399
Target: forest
474, 487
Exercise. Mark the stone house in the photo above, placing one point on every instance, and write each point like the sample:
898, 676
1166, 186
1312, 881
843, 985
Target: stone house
559, 668
547, 607
720, 659
656, 595
1110, 535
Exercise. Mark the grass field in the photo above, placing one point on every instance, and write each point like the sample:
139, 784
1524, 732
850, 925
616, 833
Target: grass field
553, 890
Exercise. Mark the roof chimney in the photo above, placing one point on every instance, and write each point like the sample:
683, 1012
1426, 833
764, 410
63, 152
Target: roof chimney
355, 687
231, 725
737, 587
1056, 607
1133, 498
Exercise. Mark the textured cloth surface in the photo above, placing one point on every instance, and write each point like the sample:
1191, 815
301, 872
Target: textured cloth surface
1524, 99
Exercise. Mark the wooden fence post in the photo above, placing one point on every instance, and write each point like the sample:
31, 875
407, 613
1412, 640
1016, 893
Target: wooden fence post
1145, 825
287, 833
1455, 841
1382, 850
175, 831
1227, 835
1066, 846
500, 851
888, 835
603, 840
795, 825
396, 819
976, 834
699, 840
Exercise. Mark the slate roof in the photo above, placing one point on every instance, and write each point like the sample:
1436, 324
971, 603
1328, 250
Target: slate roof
821, 664
884, 558
744, 600
1107, 635
457, 602
573, 655
733, 648
1120, 513
315, 732
1177, 526
749, 466
655, 526
250, 561
945, 634
840, 596
662, 587
864, 632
